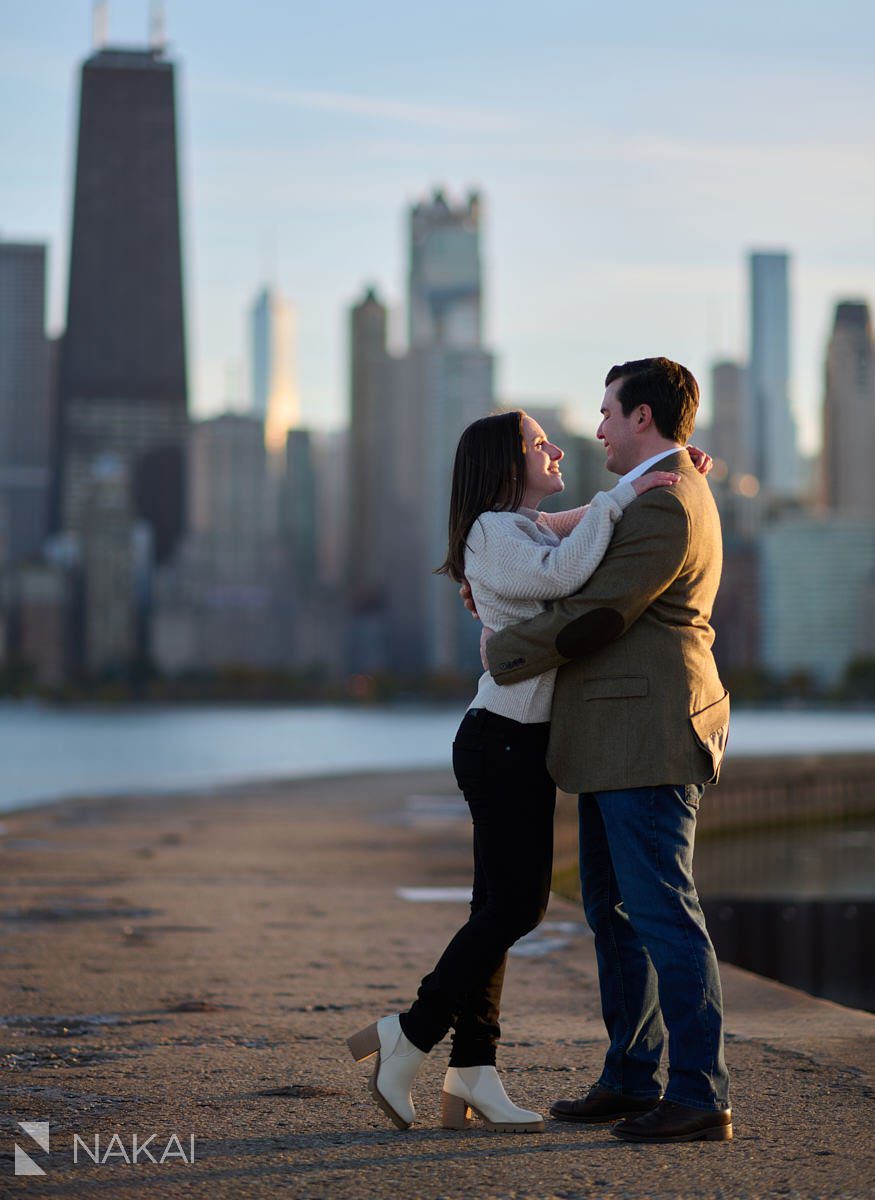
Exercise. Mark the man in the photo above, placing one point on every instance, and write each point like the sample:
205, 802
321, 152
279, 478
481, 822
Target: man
639, 726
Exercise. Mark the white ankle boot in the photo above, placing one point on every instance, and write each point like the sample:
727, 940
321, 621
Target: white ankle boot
480, 1090
398, 1060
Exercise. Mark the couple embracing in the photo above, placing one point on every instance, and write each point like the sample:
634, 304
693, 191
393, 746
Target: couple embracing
600, 680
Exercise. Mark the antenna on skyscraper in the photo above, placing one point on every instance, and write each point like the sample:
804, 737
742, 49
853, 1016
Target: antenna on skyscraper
270, 257
157, 36
99, 23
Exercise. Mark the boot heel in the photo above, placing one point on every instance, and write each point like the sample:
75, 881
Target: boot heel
455, 1113
364, 1043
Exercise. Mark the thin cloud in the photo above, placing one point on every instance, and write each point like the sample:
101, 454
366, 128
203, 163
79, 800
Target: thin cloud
369, 107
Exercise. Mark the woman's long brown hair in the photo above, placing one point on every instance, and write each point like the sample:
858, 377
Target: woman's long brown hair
489, 474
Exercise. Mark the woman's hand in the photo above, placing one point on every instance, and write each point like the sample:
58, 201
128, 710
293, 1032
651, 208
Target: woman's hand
654, 479
701, 461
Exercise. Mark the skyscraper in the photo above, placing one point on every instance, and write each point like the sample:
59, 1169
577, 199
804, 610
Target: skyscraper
274, 390
108, 538
848, 478
122, 383
444, 295
25, 409
769, 427
298, 512
456, 387
228, 492
224, 598
449, 381
740, 497
815, 620
370, 421
726, 438
407, 412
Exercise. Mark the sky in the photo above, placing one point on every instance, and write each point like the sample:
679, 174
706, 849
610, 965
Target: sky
630, 157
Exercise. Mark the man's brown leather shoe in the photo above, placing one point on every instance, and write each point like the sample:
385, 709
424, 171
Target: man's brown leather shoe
601, 1106
670, 1122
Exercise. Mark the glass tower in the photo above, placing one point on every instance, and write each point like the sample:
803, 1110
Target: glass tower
769, 428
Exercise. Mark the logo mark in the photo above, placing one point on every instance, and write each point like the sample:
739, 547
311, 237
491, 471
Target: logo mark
39, 1132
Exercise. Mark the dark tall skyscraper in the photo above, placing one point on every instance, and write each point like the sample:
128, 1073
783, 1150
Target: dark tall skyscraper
123, 377
25, 416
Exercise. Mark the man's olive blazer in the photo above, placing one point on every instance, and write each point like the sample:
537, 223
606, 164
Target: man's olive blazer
638, 701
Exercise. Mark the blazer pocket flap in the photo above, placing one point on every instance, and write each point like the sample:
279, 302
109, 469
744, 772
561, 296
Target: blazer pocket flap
711, 727
620, 688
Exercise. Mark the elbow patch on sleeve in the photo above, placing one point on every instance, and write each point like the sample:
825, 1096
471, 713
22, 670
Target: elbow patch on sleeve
589, 633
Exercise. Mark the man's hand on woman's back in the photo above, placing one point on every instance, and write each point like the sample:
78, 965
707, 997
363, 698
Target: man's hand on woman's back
468, 599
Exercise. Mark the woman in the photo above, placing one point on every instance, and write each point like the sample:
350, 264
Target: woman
514, 559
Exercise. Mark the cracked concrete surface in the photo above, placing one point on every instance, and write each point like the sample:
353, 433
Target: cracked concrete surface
192, 965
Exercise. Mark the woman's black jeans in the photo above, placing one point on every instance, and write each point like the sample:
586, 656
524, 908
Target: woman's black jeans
500, 765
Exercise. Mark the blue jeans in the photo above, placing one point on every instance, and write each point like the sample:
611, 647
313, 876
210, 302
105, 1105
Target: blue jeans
657, 968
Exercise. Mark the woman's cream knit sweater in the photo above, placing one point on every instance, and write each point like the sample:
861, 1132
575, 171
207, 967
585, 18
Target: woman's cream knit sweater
515, 561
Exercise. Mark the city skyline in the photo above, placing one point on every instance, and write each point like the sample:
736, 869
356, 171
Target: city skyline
620, 214
137, 585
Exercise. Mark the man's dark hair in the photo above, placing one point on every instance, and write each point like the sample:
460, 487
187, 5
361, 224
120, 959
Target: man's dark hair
669, 390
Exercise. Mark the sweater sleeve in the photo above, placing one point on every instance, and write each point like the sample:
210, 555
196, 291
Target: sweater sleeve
507, 556
562, 523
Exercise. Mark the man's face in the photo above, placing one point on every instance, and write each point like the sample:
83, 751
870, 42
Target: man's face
617, 431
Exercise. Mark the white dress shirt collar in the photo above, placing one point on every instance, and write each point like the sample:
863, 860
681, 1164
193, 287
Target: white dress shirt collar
648, 463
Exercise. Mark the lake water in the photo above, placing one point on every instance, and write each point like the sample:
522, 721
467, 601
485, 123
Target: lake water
52, 753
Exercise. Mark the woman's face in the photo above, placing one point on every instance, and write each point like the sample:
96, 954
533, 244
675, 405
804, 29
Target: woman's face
543, 477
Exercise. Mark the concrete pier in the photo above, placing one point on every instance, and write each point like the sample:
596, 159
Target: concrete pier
189, 966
